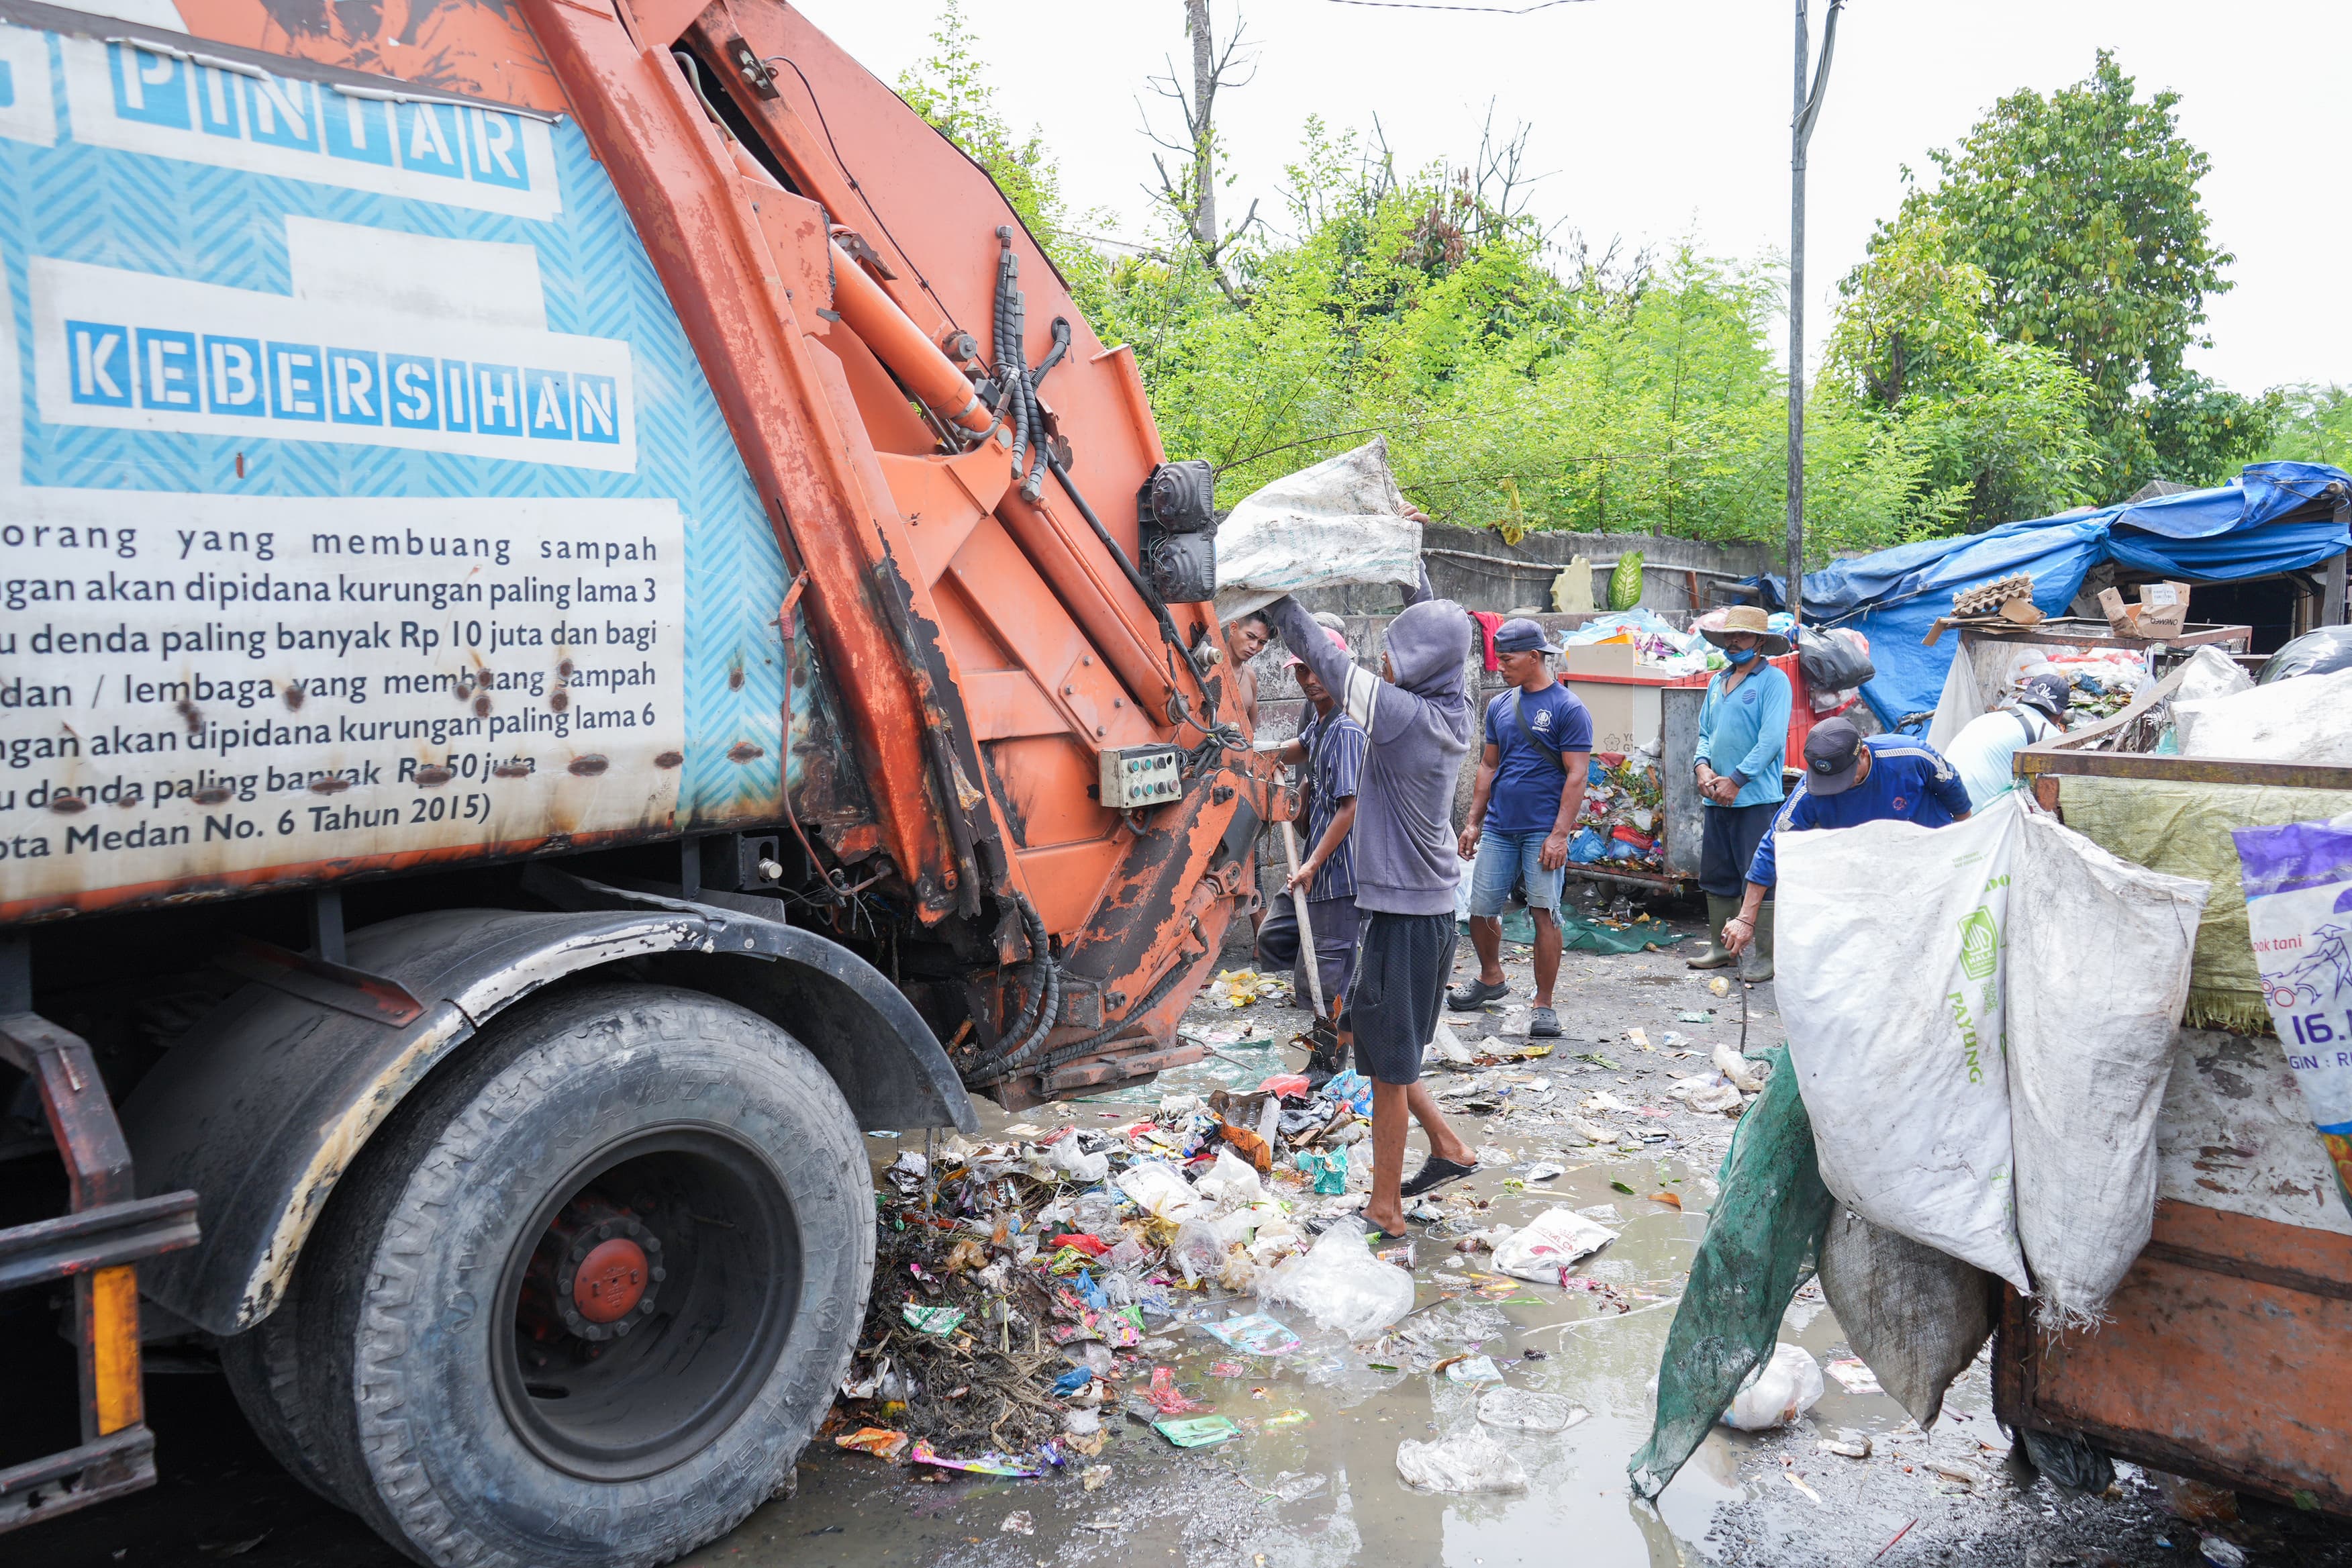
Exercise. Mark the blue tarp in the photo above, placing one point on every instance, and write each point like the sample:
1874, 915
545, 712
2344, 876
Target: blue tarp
2275, 517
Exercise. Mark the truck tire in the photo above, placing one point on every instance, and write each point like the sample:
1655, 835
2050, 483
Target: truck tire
264, 1368
587, 1296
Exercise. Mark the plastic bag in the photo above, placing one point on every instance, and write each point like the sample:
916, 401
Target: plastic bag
1778, 1392
1549, 1245
1064, 1156
1341, 520
2299, 911
2305, 720
1518, 1410
2098, 976
1465, 1462
2210, 672
2320, 652
1340, 1284
1833, 660
1199, 1250
1915, 1316
1161, 1192
1231, 1183
1890, 947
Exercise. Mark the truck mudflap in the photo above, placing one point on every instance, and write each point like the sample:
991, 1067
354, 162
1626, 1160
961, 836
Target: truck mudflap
2222, 1359
97, 1245
266, 1103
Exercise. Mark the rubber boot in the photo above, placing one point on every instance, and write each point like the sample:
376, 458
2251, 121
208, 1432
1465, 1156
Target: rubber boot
1756, 963
1714, 955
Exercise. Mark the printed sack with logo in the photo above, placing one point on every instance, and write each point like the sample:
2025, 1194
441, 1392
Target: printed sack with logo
1892, 943
2299, 912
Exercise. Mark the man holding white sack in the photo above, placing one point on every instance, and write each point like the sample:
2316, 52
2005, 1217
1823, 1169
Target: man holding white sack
1849, 780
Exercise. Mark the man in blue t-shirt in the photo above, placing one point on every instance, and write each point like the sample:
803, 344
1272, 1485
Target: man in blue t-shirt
1849, 780
1523, 808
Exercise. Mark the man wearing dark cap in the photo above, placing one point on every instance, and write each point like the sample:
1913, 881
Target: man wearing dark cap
1985, 750
1522, 809
1851, 780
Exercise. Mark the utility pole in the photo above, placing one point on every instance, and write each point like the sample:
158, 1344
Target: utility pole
1808, 109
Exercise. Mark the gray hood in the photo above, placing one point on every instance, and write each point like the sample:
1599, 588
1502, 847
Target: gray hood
1429, 648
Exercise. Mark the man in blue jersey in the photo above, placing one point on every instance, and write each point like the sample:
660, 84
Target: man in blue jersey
1848, 780
1523, 807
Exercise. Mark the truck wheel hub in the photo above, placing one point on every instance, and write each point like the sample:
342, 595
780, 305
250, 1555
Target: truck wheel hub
610, 1280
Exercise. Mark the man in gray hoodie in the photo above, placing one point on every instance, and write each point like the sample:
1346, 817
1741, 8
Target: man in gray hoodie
1420, 723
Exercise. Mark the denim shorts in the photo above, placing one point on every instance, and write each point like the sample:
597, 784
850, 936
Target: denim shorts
1507, 857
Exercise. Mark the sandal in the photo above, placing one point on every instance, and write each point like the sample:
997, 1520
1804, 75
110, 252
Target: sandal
1436, 1173
1473, 995
1543, 1024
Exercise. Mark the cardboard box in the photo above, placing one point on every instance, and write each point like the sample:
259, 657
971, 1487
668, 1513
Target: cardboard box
1616, 658
2162, 611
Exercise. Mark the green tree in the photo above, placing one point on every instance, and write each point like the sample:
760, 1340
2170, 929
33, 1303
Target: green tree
2003, 426
2313, 425
2202, 432
2082, 208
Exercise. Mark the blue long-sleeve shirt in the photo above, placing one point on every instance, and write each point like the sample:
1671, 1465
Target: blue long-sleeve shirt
1909, 781
1745, 732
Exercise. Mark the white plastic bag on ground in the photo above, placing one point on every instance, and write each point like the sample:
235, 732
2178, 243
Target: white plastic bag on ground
1549, 1245
2098, 974
1064, 1156
1231, 1182
1466, 1462
1890, 953
1778, 1392
1341, 520
1340, 1284
1518, 1410
2304, 718
1915, 1316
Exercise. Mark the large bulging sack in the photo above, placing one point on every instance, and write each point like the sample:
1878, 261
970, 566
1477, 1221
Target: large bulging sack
2305, 720
1915, 1316
1891, 944
2098, 976
1342, 520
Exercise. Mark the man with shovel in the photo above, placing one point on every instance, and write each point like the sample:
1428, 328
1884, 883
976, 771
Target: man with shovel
1331, 744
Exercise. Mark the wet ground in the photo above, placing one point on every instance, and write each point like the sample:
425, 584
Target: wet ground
1312, 1482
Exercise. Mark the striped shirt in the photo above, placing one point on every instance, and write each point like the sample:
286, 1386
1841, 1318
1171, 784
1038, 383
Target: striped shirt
1334, 759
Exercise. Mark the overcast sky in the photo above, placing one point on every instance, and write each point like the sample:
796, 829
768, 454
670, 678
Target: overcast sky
1657, 118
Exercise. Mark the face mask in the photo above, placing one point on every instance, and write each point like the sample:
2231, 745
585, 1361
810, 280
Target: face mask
1740, 655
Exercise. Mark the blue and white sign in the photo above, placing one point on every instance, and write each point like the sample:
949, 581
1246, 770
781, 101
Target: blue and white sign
359, 494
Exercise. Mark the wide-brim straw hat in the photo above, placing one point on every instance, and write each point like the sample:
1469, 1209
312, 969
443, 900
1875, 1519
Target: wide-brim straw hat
1744, 618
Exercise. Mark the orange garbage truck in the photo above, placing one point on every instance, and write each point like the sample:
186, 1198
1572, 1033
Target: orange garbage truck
583, 620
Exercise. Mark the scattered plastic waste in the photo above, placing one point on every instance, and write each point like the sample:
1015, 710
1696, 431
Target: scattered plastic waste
1256, 1333
1340, 1284
1018, 1522
1518, 1410
1198, 1431
1778, 1392
932, 1320
1164, 1395
878, 1441
1854, 1376
1848, 1444
2221, 1554
1550, 1244
1464, 1462
1473, 1370
992, 1463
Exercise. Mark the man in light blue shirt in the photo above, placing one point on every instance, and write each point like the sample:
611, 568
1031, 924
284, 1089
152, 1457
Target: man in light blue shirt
1984, 752
1743, 743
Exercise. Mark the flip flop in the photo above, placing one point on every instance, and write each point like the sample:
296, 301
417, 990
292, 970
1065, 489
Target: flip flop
1437, 1173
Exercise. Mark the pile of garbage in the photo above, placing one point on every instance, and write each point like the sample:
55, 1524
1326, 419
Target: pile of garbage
1031, 1290
2101, 682
1624, 812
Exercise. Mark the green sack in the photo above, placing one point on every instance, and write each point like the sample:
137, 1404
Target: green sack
1625, 583
1761, 1238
